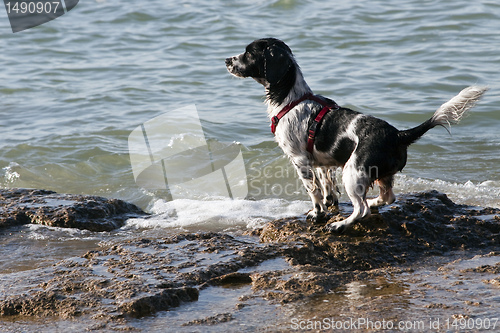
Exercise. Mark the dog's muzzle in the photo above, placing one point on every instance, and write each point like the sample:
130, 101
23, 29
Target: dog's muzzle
232, 67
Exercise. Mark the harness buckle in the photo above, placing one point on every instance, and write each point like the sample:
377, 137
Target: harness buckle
312, 129
274, 123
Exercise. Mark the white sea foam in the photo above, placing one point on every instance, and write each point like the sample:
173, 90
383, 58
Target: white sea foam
485, 194
220, 214
10, 172
48, 233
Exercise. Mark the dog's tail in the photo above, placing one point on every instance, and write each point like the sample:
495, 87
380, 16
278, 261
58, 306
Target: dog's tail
449, 113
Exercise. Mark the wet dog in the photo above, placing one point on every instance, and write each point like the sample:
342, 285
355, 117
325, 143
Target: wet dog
318, 136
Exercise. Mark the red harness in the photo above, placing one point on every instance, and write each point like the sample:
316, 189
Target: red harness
327, 106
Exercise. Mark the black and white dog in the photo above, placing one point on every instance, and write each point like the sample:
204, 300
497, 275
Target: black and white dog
319, 136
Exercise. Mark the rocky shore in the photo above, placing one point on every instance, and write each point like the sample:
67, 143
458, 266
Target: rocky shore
287, 261
24, 206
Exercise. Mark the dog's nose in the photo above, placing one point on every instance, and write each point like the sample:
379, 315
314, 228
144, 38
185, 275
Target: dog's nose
229, 61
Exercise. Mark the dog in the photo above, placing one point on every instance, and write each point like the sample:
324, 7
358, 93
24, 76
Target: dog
369, 150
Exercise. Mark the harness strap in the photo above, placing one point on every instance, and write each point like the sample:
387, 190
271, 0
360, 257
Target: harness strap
288, 107
314, 128
327, 106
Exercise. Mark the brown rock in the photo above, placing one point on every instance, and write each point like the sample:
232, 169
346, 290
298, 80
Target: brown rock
24, 206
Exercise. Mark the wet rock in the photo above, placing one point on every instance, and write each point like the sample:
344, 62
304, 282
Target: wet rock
164, 300
212, 320
495, 282
418, 226
24, 206
135, 278
484, 269
286, 261
230, 279
41, 303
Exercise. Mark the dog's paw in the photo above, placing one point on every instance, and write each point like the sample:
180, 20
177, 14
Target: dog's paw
336, 227
317, 217
331, 201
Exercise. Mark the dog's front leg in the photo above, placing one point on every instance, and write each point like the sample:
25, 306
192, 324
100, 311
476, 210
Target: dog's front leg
313, 187
326, 177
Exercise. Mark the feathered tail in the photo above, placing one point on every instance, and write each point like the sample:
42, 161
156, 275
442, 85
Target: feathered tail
449, 113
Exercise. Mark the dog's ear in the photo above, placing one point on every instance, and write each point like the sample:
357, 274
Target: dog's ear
277, 63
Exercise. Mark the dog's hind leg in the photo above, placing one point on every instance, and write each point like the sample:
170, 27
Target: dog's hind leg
356, 183
328, 187
386, 196
313, 187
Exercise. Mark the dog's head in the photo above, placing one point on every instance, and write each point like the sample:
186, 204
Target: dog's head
267, 60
